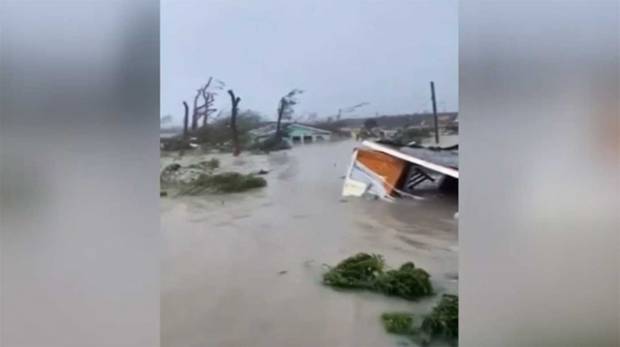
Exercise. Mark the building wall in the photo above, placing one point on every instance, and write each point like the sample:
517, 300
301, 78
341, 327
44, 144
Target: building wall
300, 135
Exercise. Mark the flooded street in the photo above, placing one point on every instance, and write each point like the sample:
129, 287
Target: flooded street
245, 269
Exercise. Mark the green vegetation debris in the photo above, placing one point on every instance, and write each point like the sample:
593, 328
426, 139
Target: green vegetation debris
366, 271
226, 182
358, 271
398, 323
443, 322
407, 282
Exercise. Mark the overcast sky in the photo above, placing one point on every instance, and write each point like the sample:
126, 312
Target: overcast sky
340, 53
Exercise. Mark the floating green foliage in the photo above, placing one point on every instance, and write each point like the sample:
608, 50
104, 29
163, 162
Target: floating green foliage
407, 282
398, 323
227, 182
366, 271
358, 271
444, 320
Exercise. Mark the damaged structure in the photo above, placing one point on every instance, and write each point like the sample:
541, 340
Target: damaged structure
388, 171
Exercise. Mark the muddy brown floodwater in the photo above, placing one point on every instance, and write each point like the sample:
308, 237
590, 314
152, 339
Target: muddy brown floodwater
245, 269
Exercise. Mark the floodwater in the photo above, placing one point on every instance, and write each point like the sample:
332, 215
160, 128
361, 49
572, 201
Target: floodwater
245, 269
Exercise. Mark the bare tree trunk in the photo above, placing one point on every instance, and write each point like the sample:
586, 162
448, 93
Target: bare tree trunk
233, 122
185, 120
209, 98
279, 123
195, 113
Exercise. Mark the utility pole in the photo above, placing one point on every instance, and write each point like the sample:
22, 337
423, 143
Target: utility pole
435, 112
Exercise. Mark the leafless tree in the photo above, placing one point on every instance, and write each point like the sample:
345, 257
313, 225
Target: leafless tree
234, 100
207, 96
285, 108
209, 99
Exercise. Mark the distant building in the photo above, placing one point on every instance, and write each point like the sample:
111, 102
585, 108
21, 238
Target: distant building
293, 133
301, 133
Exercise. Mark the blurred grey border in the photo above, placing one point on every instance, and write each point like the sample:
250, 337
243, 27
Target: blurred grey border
79, 160
540, 191
540, 161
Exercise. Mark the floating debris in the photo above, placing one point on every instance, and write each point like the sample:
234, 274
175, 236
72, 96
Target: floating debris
366, 271
359, 271
443, 322
398, 323
388, 172
408, 282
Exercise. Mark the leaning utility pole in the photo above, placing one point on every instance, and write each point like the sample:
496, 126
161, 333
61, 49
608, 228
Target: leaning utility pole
435, 112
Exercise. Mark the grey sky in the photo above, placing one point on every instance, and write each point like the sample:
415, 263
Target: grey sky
339, 52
